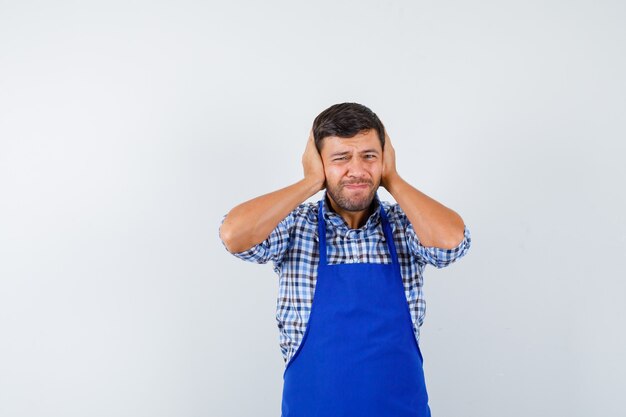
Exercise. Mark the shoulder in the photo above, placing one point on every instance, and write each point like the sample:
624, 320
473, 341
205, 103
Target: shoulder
393, 210
398, 220
305, 213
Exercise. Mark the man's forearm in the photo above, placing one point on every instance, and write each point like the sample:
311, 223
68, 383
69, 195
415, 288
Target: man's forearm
251, 222
435, 224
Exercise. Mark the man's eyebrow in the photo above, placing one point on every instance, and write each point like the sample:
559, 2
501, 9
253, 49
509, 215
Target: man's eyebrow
332, 155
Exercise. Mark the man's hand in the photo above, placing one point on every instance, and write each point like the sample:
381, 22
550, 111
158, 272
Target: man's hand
312, 164
389, 164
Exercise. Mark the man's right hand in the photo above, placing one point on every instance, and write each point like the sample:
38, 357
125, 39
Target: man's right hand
312, 163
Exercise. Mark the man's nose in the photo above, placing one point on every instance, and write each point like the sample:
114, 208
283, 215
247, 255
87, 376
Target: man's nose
356, 167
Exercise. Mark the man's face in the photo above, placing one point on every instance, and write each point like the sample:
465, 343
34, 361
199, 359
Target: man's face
353, 168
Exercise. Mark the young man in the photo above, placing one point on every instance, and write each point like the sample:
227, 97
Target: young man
350, 300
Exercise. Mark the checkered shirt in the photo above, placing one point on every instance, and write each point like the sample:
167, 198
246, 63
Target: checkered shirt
293, 248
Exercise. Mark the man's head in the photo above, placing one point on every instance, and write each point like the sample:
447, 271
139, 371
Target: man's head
345, 120
350, 139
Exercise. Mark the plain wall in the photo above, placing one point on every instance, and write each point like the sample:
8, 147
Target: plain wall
128, 129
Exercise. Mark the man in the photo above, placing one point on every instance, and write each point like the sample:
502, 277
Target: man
350, 299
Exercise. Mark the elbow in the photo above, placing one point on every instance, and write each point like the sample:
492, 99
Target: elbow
457, 236
226, 235
455, 241
448, 242
233, 242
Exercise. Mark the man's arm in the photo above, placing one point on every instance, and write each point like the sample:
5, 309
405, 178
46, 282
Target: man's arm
251, 222
435, 224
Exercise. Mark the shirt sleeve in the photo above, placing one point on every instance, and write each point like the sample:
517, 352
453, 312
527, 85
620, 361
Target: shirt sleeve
437, 257
273, 248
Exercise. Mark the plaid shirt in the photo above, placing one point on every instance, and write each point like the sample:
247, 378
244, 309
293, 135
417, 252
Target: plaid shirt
293, 249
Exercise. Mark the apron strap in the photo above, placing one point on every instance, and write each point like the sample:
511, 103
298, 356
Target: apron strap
321, 232
389, 236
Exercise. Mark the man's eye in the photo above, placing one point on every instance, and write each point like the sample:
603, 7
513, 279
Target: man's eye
370, 156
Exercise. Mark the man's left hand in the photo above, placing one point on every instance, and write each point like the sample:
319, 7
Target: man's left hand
389, 163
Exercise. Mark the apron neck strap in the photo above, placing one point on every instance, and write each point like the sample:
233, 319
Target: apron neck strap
321, 229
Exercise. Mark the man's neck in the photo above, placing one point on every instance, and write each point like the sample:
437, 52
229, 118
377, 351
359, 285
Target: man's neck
354, 219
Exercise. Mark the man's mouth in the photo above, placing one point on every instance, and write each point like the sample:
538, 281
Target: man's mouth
357, 186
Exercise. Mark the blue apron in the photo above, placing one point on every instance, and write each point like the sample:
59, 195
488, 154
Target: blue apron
358, 356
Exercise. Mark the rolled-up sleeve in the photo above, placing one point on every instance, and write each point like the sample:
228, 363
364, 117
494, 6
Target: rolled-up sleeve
437, 257
272, 248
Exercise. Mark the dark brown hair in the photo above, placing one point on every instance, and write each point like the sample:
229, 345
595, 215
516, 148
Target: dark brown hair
346, 120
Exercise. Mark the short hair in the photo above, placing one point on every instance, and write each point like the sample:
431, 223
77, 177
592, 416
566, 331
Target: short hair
345, 120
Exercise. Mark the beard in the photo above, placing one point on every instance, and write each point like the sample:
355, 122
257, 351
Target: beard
350, 200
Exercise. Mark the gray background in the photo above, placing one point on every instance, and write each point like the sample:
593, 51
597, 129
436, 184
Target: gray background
128, 129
